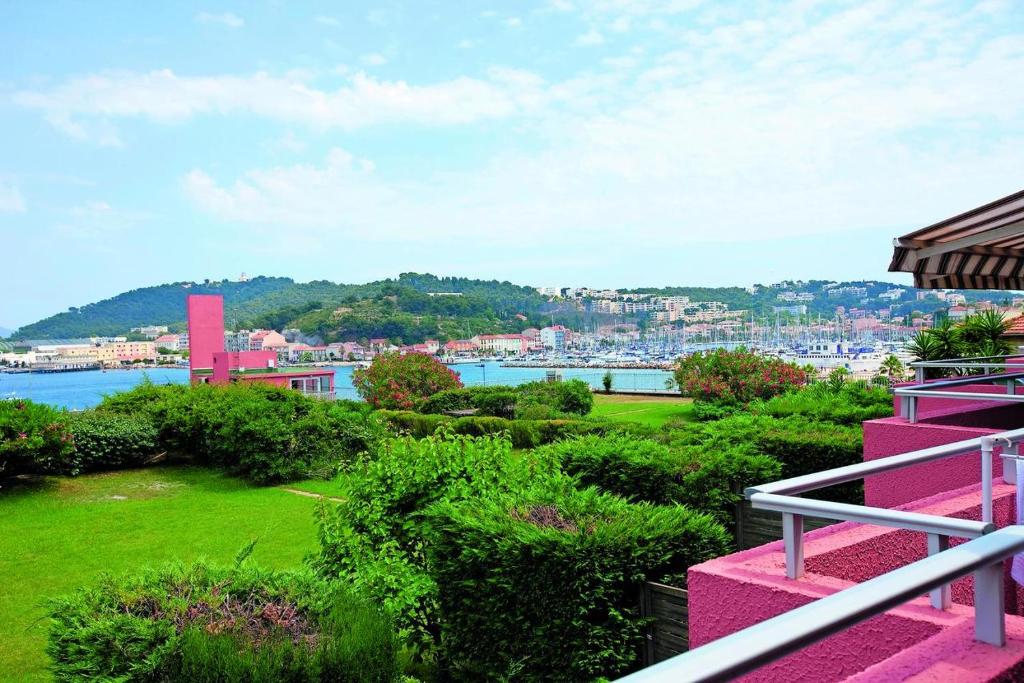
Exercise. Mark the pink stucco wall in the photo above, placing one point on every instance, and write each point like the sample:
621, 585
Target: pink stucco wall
891, 436
224, 362
205, 316
739, 590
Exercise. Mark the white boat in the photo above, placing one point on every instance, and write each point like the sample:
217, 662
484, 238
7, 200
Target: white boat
831, 355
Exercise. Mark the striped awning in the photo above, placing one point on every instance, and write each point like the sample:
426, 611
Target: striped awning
980, 249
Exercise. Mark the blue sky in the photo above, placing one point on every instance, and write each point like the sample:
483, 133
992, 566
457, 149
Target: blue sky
610, 143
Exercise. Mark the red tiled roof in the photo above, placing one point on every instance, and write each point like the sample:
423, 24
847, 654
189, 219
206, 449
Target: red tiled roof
1016, 327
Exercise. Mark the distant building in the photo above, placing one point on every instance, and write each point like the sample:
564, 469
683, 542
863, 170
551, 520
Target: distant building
504, 344
151, 331
554, 337
167, 341
892, 294
797, 309
209, 362
460, 346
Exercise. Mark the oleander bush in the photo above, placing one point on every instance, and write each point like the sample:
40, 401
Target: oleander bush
735, 377
710, 480
203, 623
374, 539
33, 438
543, 585
267, 434
107, 441
400, 382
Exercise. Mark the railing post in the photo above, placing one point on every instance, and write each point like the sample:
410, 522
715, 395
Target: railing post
989, 624
986, 479
793, 540
1010, 464
940, 597
919, 375
912, 409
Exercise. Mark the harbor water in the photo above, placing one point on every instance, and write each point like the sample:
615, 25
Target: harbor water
85, 389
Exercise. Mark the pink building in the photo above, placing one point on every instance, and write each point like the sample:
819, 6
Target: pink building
209, 362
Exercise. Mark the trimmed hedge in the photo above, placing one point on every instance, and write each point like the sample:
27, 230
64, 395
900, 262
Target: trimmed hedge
710, 480
374, 539
851, 403
267, 434
544, 586
532, 401
802, 446
523, 433
107, 441
201, 623
490, 401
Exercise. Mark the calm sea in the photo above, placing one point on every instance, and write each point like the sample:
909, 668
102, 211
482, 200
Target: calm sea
78, 390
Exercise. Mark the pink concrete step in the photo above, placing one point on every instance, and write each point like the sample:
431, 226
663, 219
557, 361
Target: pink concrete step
730, 593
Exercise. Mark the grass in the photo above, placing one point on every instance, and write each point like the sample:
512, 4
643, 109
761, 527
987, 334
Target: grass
60, 533
653, 411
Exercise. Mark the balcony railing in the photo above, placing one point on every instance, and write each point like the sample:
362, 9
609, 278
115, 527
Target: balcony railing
940, 389
746, 650
750, 648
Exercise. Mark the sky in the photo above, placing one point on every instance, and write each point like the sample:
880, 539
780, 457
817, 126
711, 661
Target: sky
616, 143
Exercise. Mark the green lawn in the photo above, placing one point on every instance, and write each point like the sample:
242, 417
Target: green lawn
654, 411
60, 534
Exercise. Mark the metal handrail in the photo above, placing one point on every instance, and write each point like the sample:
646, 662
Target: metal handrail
909, 395
746, 650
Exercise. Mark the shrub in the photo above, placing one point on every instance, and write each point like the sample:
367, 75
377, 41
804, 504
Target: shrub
105, 441
850, 403
524, 433
706, 411
491, 401
710, 480
33, 438
401, 381
571, 396
543, 586
265, 433
735, 376
802, 446
374, 540
202, 623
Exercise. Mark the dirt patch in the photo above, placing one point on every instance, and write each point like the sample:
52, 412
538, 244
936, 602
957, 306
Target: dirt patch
546, 517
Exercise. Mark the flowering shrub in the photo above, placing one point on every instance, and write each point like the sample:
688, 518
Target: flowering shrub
398, 382
735, 376
33, 438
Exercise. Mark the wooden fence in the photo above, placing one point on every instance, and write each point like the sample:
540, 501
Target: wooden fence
757, 527
668, 630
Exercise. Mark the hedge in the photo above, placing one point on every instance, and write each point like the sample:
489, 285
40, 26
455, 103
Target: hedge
801, 445
267, 434
374, 539
533, 400
107, 441
201, 623
523, 433
710, 480
851, 403
545, 586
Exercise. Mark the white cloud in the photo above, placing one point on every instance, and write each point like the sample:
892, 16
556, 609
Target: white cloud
325, 20
227, 19
513, 22
11, 200
85, 108
373, 59
465, 44
590, 38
